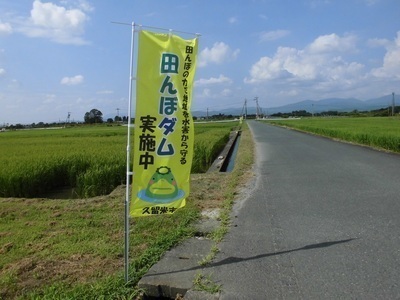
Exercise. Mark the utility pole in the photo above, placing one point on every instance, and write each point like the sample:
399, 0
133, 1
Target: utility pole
117, 118
66, 121
257, 108
207, 114
244, 109
393, 104
265, 116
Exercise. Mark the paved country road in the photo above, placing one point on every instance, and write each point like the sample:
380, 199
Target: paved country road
322, 222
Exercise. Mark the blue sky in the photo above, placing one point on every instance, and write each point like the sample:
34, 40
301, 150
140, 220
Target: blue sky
67, 56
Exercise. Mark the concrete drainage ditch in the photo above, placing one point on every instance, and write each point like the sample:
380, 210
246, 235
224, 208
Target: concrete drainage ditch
173, 275
226, 159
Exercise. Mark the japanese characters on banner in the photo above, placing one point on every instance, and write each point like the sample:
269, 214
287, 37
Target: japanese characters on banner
164, 132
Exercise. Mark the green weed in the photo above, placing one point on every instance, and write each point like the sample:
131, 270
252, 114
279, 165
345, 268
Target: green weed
205, 283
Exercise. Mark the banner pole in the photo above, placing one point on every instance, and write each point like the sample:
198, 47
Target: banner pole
128, 159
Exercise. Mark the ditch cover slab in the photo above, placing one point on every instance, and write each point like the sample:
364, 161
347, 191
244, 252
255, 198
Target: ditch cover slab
175, 272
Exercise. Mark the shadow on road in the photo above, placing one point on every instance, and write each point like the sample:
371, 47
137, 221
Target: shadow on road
231, 260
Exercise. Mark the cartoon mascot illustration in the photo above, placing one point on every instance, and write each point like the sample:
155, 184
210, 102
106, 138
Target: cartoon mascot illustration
162, 187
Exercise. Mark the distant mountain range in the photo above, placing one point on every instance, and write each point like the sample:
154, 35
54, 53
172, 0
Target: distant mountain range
313, 106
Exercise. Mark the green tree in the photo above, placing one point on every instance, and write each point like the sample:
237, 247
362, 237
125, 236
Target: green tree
93, 116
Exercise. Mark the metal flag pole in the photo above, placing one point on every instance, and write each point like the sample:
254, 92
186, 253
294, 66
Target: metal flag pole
128, 150
128, 159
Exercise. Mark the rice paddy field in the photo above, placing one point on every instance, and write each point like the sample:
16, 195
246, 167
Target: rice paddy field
378, 132
91, 160
73, 248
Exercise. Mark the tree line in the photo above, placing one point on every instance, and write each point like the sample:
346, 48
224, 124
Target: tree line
382, 112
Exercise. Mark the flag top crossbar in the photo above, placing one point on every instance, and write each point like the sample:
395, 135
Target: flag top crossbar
156, 28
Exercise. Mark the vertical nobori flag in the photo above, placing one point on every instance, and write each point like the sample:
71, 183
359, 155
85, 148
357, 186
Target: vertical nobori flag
164, 132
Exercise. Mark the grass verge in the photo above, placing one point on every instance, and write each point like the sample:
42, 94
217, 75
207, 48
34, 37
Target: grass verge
232, 182
378, 132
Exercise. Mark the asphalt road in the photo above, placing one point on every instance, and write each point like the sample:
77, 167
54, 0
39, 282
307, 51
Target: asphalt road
322, 222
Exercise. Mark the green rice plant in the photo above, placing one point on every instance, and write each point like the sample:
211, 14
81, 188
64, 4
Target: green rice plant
97, 180
206, 150
40, 160
90, 159
210, 139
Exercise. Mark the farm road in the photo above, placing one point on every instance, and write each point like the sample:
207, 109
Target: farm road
323, 222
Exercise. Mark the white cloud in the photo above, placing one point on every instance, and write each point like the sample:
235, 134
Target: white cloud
78, 79
85, 6
2, 71
220, 80
218, 54
50, 15
215, 88
319, 61
5, 29
82, 4
333, 43
273, 35
391, 60
62, 25
324, 69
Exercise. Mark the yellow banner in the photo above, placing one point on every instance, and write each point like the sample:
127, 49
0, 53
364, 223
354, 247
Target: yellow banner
164, 132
